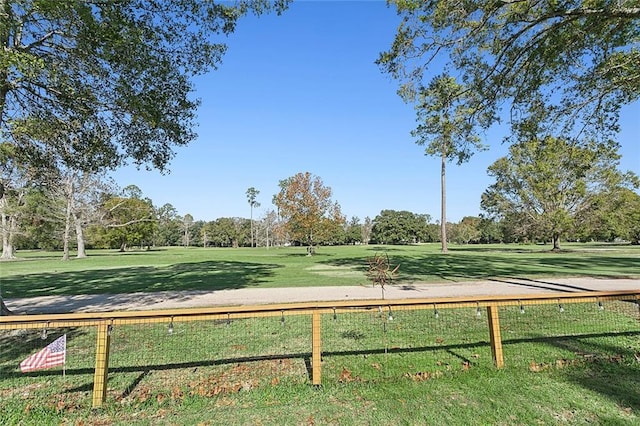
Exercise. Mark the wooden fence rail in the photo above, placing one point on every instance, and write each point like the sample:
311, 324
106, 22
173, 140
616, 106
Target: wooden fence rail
105, 321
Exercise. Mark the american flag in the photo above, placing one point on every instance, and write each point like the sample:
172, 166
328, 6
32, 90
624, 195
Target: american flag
54, 354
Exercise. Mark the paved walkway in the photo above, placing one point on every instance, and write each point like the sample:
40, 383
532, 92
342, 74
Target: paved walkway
252, 296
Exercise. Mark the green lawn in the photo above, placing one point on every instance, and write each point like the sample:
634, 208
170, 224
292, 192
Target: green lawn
580, 366
43, 273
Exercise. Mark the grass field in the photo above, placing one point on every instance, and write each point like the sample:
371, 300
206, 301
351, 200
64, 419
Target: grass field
581, 366
43, 273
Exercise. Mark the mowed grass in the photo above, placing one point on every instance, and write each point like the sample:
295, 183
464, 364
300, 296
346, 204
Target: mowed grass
581, 366
43, 273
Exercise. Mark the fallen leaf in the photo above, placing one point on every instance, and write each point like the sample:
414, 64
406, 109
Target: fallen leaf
345, 376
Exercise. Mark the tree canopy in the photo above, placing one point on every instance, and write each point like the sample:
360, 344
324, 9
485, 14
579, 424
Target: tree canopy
445, 130
305, 203
579, 57
112, 79
400, 227
543, 185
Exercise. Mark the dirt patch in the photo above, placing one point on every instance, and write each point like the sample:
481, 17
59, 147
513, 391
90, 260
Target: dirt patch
335, 271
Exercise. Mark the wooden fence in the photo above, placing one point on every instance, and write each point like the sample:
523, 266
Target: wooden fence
105, 321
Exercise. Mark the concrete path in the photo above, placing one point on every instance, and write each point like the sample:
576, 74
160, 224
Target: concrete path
253, 296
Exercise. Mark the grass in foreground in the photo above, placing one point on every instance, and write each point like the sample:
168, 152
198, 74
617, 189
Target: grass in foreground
576, 367
43, 273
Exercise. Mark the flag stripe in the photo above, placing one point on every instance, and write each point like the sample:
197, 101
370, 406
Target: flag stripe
52, 355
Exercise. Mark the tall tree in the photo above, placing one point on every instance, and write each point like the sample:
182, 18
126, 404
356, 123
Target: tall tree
306, 206
367, 226
15, 182
168, 232
544, 184
187, 222
445, 130
581, 56
115, 73
252, 193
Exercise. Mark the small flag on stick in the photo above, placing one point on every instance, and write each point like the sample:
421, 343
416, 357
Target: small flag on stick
51, 356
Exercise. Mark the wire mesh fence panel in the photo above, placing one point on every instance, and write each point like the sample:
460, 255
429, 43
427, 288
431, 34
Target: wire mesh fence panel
175, 358
542, 336
56, 373
207, 358
403, 344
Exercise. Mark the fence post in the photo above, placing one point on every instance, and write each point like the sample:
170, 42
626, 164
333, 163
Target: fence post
102, 364
494, 334
316, 348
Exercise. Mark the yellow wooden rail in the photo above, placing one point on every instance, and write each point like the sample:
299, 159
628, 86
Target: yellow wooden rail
104, 321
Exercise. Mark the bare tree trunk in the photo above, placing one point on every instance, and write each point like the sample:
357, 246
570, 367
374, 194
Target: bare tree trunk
7, 235
251, 221
82, 252
443, 202
67, 219
556, 242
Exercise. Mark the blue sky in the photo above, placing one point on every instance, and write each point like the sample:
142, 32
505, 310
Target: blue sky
300, 92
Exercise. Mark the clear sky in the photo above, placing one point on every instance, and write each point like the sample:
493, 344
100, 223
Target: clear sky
301, 92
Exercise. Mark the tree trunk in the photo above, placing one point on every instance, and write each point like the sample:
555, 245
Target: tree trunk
82, 252
251, 222
556, 242
67, 219
7, 236
443, 202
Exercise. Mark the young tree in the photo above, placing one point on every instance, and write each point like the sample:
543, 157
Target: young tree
544, 184
445, 130
583, 53
306, 206
252, 193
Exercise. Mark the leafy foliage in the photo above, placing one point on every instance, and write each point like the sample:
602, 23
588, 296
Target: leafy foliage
400, 227
114, 75
128, 221
545, 184
446, 131
306, 206
578, 56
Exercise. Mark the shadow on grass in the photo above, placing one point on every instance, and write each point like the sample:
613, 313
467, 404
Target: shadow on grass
615, 373
590, 375
472, 264
18, 344
207, 276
